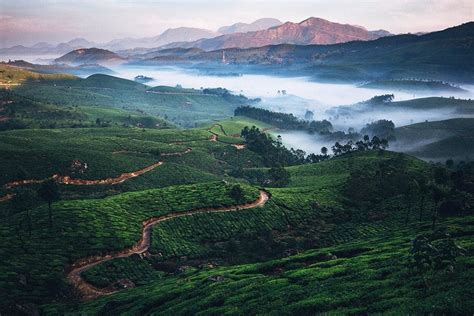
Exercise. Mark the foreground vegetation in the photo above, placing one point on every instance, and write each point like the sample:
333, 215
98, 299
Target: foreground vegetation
361, 231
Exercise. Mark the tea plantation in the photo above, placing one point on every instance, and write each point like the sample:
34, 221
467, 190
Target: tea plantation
85, 164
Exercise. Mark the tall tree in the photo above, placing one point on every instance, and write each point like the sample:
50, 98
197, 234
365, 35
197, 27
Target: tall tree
49, 192
23, 201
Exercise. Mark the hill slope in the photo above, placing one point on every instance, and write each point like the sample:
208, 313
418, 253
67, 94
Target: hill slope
89, 56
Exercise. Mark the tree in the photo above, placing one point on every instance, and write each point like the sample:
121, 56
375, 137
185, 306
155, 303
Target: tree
49, 192
23, 200
421, 184
324, 151
236, 193
278, 177
439, 193
309, 115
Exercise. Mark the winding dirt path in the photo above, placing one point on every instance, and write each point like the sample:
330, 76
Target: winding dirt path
68, 180
89, 291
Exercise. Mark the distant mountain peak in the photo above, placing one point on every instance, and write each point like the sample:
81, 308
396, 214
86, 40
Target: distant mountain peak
257, 25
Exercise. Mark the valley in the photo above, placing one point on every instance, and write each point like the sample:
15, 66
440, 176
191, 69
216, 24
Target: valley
264, 167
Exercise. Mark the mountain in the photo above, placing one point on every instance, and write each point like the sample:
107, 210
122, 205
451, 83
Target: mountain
43, 48
381, 33
444, 55
258, 25
181, 34
309, 31
90, 56
80, 70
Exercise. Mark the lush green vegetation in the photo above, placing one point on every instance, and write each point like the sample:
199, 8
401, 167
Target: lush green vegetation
371, 275
284, 120
356, 233
68, 95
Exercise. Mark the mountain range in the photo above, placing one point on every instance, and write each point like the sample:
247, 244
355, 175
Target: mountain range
309, 31
443, 55
266, 31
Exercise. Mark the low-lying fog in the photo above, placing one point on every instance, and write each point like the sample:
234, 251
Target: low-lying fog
316, 95
299, 96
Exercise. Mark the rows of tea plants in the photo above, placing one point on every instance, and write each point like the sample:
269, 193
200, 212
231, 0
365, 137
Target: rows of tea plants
83, 228
368, 276
132, 268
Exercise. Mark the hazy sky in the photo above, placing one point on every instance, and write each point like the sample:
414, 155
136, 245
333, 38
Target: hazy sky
31, 21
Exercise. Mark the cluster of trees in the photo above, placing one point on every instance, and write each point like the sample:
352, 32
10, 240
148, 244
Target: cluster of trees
361, 145
380, 99
393, 181
285, 120
384, 129
272, 151
224, 93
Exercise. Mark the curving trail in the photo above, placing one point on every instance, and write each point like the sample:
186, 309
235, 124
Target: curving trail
68, 180
89, 291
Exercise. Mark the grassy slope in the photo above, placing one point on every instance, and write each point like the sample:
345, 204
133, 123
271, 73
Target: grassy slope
10, 75
109, 152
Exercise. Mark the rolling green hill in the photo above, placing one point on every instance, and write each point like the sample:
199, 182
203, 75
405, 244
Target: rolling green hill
439, 140
73, 99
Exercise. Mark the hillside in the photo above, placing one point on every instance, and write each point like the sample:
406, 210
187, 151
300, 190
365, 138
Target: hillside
441, 140
140, 210
309, 31
214, 251
80, 70
177, 105
89, 56
13, 76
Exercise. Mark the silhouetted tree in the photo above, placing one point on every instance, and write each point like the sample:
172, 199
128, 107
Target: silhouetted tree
49, 192
23, 200
236, 193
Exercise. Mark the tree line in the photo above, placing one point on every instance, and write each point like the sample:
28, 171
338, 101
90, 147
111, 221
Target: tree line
284, 120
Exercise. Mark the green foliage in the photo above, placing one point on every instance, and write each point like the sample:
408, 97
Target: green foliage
435, 252
272, 152
236, 193
368, 276
284, 120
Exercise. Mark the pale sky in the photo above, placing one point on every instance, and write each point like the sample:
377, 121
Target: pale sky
30, 21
